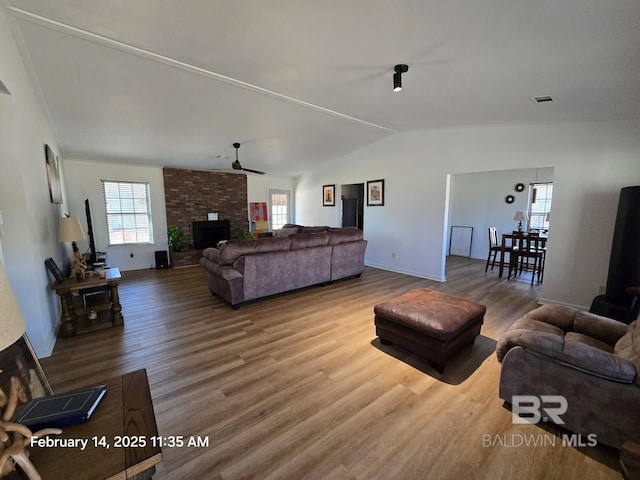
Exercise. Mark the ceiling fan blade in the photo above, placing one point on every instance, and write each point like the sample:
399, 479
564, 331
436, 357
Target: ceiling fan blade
236, 164
252, 171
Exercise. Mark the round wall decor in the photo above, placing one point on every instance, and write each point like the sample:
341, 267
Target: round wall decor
509, 199
519, 187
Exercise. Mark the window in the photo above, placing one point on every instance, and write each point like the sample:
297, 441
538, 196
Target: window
280, 208
540, 205
128, 210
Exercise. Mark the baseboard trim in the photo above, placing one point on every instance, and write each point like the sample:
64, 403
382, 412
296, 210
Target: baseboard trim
408, 272
551, 301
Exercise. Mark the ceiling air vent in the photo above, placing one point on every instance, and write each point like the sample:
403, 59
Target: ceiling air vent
543, 99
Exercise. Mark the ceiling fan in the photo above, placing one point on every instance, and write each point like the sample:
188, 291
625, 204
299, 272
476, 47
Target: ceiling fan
236, 165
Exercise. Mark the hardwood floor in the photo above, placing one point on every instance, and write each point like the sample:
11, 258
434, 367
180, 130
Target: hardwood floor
297, 386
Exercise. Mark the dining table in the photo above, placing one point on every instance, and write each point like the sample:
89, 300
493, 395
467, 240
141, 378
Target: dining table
514, 240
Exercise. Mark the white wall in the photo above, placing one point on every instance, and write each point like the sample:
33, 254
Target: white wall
30, 228
84, 180
478, 200
592, 161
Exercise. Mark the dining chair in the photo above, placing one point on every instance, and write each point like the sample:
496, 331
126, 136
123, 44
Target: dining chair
528, 255
494, 247
508, 246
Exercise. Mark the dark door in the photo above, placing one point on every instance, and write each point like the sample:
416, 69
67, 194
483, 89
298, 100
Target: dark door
350, 212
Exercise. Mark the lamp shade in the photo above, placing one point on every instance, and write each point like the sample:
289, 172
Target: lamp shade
12, 324
70, 229
521, 216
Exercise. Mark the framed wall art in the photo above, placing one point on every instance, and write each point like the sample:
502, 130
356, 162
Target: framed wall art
20, 370
375, 193
54, 270
328, 195
53, 175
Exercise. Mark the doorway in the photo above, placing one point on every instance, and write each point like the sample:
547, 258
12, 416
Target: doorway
480, 200
352, 198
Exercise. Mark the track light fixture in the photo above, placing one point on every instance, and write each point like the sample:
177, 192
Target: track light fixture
397, 77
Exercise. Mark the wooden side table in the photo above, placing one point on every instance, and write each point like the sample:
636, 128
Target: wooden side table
123, 417
75, 318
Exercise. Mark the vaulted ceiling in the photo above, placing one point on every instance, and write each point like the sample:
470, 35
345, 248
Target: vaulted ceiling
302, 82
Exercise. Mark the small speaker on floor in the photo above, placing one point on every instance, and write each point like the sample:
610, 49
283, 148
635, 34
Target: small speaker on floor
162, 259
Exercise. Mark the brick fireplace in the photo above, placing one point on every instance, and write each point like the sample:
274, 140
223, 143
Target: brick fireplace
191, 194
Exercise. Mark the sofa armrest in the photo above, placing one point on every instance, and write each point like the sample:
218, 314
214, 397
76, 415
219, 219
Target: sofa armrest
545, 343
211, 253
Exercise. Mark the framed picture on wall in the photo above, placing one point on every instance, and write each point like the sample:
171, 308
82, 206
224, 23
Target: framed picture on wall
21, 371
54, 270
328, 195
375, 193
53, 175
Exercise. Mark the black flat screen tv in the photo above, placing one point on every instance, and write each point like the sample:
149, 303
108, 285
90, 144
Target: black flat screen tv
92, 243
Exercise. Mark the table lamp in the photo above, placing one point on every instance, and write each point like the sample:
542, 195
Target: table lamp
520, 217
12, 324
71, 231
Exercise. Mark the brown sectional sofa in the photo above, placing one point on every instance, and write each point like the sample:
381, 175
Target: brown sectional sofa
243, 270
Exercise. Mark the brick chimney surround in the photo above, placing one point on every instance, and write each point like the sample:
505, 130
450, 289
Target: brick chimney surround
191, 194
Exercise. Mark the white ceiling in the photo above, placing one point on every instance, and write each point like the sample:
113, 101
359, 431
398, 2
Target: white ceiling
302, 82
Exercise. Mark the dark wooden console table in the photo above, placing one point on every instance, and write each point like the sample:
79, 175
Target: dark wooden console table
125, 412
75, 315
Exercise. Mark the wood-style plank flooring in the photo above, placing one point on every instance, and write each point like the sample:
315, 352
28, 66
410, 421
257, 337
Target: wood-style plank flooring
298, 386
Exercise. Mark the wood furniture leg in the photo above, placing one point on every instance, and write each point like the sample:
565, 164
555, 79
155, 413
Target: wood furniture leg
68, 326
503, 252
116, 308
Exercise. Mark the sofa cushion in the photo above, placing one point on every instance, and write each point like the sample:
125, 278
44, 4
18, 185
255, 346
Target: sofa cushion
308, 240
559, 315
318, 229
344, 235
285, 232
628, 347
293, 225
590, 355
232, 250
604, 329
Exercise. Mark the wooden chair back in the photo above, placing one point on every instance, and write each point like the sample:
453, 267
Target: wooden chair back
493, 237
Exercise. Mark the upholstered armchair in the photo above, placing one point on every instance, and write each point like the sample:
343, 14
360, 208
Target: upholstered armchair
593, 361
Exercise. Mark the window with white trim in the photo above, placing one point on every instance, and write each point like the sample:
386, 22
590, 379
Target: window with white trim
128, 211
280, 208
540, 195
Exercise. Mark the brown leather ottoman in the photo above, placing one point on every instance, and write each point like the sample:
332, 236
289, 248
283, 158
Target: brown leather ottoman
429, 323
